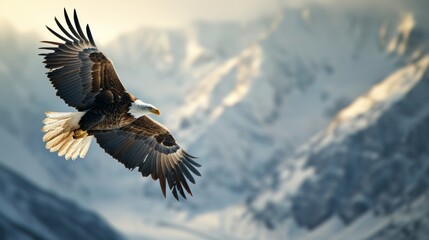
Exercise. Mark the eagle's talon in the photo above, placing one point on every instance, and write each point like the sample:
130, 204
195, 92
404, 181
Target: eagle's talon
79, 133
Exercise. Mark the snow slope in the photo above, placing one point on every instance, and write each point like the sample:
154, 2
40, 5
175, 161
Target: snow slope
275, 94
372, 160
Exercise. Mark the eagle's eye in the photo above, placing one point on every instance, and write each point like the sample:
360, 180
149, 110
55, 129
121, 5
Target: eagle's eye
150, 108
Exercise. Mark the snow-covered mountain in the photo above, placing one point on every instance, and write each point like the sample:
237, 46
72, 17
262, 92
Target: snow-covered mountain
279, 91
28, 212
241, 97
370, 161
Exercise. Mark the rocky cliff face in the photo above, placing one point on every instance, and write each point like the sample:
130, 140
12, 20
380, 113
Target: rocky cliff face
373, 157
28, 212
382, 163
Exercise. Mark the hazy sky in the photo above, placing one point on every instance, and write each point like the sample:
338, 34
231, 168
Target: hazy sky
110, 18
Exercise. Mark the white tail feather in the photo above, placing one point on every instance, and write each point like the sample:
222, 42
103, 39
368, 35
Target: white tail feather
59, 130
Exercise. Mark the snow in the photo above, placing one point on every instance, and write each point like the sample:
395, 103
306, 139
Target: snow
292, 177
367, 108
399, 43
362, 163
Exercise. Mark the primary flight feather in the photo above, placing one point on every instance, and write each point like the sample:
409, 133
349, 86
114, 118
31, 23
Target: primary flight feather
86, 80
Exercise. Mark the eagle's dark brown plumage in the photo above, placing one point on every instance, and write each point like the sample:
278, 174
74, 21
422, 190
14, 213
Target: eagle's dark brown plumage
86, 80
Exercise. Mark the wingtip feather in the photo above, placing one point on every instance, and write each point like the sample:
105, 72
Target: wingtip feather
78, 27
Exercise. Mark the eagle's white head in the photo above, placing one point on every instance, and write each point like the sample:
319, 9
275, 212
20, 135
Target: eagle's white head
139, 108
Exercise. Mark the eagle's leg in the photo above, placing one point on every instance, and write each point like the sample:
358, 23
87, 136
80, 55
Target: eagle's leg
88, 121
79, 133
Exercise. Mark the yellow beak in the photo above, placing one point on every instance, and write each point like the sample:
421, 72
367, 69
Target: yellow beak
156, 111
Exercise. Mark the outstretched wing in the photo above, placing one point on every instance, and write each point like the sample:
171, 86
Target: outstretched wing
149, 146
78, 70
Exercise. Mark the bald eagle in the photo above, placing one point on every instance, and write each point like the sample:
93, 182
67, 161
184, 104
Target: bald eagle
86, 80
